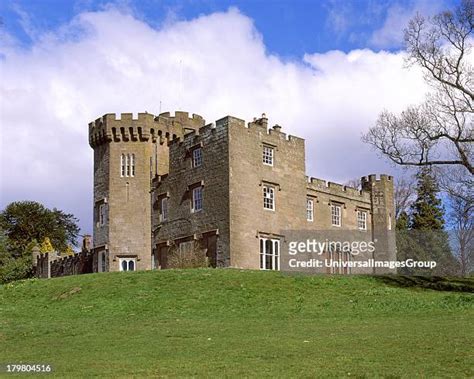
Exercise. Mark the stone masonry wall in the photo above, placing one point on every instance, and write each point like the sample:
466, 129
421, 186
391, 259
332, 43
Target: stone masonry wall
128, 230
248, 175
213, 175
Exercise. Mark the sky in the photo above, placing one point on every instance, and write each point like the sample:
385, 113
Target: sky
324, 70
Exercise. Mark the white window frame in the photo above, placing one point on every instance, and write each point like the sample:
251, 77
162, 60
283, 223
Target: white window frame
268, 155
309, 210
132, 165
122, 165
197, 157
164, 209
197, 199
274, 255
361, 219
336, 215
128, 260
268, 197
127, 165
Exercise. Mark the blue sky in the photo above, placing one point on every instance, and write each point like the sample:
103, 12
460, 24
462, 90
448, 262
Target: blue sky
289, 28
324, 70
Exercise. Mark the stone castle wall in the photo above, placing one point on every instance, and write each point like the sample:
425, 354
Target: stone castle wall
127, 197
49, 267
177, 186
232, 176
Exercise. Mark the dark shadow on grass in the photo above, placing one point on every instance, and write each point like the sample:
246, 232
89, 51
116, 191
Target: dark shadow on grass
436, 283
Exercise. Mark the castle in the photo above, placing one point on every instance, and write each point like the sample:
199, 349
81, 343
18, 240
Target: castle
167, 182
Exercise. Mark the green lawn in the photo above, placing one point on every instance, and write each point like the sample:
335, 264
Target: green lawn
233, 323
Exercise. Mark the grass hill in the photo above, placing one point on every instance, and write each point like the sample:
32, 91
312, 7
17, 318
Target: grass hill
233, 323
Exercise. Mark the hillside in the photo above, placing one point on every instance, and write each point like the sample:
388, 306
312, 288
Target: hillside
236, 323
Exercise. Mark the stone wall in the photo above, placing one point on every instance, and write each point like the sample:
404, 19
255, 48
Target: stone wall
127, 230
47, 266
213, 175
248, 218
232, 176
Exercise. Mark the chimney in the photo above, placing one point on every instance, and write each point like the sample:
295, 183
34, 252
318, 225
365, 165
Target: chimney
86, 242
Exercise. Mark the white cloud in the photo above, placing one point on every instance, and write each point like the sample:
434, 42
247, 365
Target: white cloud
397, 18
110, 61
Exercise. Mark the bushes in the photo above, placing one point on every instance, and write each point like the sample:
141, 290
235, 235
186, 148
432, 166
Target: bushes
15, 269
187, 255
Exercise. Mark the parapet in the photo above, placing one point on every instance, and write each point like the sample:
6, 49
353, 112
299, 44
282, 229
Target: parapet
337, 189
193, 122
260, 127
368, 181
124, 127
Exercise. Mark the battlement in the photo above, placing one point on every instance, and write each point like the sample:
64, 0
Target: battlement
337, 189
259, 127
374, 178
183, 117
124, 127
370, 180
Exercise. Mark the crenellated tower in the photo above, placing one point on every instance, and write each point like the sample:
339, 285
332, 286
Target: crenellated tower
128, 153
383, 215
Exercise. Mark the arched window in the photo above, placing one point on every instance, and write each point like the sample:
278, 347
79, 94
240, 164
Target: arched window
127, 264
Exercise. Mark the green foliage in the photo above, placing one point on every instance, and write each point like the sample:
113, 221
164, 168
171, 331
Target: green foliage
427, 210
15, 269
421, 235
25, 221
237, 323
403, 221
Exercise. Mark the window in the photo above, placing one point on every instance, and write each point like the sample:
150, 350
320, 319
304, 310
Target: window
197, 157
268, 155
268, 198
335, 215
389, 221
132, 165
127, 264
164, 209
362, 220
309, 209
127, 165
123, 164
102, 262
269, 254
197, 199
102, 214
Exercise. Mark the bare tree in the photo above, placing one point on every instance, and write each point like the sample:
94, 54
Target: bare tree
354, 183
405, 194
439, 131
459, 189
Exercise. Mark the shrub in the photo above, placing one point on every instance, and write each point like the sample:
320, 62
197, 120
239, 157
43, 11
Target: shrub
15, 269
187, 255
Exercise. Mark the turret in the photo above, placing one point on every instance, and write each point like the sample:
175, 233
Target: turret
383, 212
128, 153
